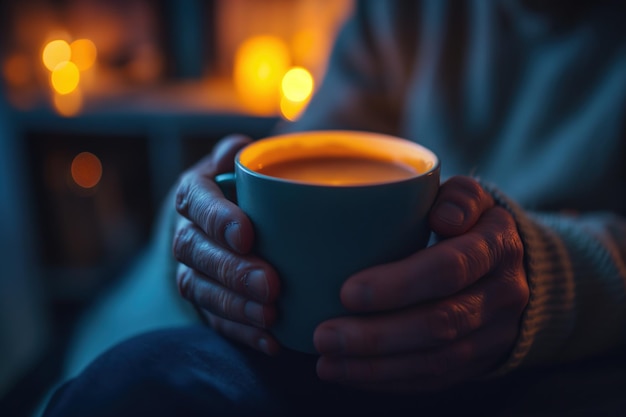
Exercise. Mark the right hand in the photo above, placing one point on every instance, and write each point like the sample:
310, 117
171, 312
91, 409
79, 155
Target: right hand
231, 287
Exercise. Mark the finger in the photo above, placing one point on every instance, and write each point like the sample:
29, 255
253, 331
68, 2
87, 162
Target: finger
213, 297
200, 200
251, 336
460, 203
437, 271
475, 355
244, 274
431, 325
222, 157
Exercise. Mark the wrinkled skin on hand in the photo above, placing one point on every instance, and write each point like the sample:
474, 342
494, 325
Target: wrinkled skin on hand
233, 289
444, 315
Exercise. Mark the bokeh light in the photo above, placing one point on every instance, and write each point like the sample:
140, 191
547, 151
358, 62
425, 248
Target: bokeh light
65, 77
291, 110
68, 105
56, 52
84, 53
260, 63
86, 170
297, 84
17, 70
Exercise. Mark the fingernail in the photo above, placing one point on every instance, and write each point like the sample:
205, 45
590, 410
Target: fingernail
256, 284
254, 312
451, 214
329, 341
232, 234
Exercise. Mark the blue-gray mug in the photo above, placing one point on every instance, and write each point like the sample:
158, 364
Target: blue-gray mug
327, 204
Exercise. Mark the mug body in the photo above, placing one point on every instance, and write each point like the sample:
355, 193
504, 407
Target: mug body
317, 235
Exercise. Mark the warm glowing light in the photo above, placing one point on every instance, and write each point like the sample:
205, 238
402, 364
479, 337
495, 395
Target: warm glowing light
297, 84
146, 65
17, 70
55, 53
260, 63
291, 110
68, 105
84, 53
65, 78
310, 47
86, 170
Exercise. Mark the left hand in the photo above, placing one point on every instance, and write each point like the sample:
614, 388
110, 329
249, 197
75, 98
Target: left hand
446, 314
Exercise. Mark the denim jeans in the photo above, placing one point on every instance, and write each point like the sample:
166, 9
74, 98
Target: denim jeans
193, 371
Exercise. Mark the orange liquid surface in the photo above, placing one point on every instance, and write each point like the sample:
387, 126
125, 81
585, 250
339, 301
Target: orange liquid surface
339, 170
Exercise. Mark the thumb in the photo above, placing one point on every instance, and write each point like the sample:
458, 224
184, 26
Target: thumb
460, 202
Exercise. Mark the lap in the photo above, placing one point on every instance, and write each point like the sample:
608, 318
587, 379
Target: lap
194, 372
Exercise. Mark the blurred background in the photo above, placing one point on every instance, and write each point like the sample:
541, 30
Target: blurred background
102, 104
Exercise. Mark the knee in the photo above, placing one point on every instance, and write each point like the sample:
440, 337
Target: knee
169, 372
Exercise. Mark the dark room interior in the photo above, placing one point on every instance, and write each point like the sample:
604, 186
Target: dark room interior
159, 82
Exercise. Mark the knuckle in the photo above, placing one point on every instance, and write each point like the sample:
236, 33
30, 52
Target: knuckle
224, 268
228, 306
513, 246
452, 321
185, 282
520, 293
192, 248
182, 194
212, 218
456, 263
203, 209
505, 236
183, 243
468, 187
442, 326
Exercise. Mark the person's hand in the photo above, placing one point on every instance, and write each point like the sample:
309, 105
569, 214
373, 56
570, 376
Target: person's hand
233, 289
447, 314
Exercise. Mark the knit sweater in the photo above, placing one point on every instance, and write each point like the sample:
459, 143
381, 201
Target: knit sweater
529, 98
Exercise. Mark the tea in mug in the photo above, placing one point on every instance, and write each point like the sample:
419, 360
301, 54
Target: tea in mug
339, 170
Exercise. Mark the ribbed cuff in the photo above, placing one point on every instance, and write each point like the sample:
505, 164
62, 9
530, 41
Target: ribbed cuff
547, 320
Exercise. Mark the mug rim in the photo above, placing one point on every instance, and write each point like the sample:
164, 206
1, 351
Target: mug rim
433, 159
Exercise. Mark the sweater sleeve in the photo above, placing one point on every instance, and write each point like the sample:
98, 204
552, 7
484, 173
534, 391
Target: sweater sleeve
576, 271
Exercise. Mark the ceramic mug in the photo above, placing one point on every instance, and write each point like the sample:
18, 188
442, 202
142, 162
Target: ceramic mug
327, 204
